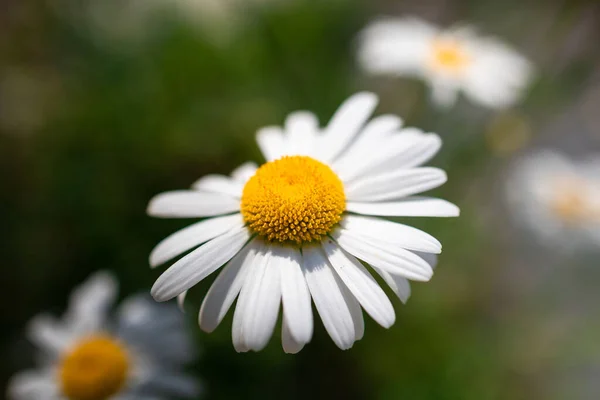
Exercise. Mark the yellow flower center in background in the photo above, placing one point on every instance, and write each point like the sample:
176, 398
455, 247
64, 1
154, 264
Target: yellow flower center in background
449, 55
95, 369
570, 201
296, 199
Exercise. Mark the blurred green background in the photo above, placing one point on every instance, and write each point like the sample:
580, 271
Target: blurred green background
102, 107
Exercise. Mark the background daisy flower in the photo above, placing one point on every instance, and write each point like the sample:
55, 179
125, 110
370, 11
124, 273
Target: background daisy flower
486, 70
295, 228
557, 198
87, 355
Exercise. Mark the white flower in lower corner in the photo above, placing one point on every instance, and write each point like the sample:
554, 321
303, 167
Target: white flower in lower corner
457, 59
295, 228
87, 355
557, 198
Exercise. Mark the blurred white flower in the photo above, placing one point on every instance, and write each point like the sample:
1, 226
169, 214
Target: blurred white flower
87, 355
457, 59
295, 228
557, 198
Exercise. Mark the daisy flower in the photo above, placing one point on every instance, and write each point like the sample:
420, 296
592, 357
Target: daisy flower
87, 356
486, 70
557, 198
300, 226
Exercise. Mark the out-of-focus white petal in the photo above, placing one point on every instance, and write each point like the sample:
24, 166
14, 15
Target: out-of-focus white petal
498, 76
244, 172
47, 333
271, 142
192, 236
200, 263
33, 385
444, 93
189, 204
395, 46
301, 128
89, 303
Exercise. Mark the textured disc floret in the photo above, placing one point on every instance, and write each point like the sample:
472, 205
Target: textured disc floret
95, 369
293, 199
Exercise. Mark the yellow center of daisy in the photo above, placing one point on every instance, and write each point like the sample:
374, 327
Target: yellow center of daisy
571, 201
449, 55
293, 199
95, 369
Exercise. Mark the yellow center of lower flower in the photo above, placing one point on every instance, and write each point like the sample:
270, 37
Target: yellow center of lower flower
297, 199
95, 369
449, 55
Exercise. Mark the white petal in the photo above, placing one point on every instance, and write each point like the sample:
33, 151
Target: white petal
297, 311
181, 300
47, 333
187, 204
370, 138
378, 128
89, 303
398, 284
395, 46
377, 229
225, 288
200, 263
407, 207
443, 93
258, 304
244, 172
237, 334
388, 257
418, 153
361, 284
301, 129
396, 184
328, 297
33, 385
347, 121
219, 184
355, 311
431, 259
271, 143
498, 76
192, 236
289, 344
406, 149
